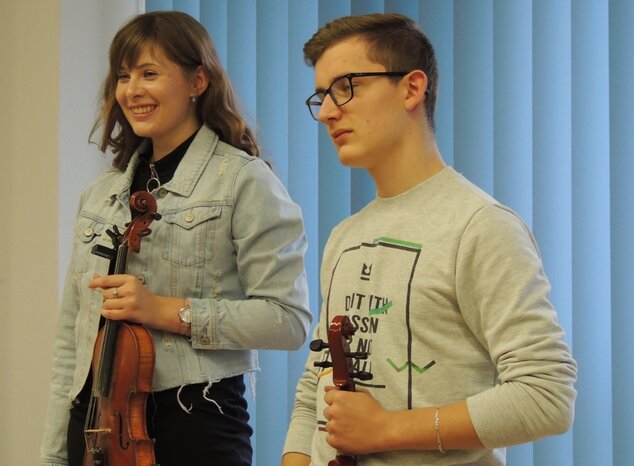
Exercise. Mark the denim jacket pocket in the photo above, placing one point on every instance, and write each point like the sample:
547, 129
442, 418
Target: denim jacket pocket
190, 236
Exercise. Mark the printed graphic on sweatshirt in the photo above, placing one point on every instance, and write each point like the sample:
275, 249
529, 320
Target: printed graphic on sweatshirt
371, 284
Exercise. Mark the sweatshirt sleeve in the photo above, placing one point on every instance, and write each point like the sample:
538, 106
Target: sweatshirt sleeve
503, 295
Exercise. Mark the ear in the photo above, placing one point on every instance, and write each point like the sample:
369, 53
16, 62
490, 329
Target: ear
200, 80
416, 85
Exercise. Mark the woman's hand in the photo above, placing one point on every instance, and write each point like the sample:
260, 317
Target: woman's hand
125, 298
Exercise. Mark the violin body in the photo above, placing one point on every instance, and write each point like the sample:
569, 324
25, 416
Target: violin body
120, 433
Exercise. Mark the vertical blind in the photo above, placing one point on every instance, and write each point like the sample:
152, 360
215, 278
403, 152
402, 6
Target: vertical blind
536, 106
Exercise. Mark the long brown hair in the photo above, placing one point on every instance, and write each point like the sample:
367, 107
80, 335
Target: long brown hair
186, 43
394, 41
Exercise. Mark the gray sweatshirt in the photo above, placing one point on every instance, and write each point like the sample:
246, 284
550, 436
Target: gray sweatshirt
448, 292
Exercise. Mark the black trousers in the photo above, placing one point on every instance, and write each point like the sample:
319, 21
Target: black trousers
202, 437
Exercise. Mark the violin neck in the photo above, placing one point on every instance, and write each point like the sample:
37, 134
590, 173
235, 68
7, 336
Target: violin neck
102, 384
121, 262
110, 332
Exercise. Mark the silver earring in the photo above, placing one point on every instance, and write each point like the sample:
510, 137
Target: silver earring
193, 98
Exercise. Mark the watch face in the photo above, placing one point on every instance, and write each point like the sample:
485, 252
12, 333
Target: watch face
186, 315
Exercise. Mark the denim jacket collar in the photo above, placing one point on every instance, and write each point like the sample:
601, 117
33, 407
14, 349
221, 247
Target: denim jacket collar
187, 174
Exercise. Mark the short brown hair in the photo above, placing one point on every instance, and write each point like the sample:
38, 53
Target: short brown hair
394, 41
186, 43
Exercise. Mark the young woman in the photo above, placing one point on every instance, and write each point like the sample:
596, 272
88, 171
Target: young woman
221, 274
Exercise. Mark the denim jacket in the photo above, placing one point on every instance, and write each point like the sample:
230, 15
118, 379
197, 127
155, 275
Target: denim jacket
230, 239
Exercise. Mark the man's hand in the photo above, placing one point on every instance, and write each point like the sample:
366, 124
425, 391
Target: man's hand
356, 423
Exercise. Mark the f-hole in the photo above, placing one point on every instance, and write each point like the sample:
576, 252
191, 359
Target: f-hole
123, 445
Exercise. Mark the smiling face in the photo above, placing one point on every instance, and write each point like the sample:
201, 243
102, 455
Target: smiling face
155, 97
368, 129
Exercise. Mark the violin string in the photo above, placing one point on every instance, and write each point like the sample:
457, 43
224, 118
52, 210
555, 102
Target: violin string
90, 421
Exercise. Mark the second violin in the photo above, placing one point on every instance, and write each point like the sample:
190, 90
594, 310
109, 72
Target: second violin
340, 332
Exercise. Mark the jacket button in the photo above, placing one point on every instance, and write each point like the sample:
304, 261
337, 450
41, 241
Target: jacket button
189, 217
141, 278
204, 340
88, 231
162, 192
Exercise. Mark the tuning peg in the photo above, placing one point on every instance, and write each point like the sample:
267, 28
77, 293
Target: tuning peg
358, 355
115, 235
324, 364
362, 375
318, 345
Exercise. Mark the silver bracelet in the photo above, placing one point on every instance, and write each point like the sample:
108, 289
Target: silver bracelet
437, 429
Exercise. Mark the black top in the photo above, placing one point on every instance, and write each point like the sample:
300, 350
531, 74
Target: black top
165, 167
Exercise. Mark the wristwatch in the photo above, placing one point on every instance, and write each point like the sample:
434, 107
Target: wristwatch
185, 315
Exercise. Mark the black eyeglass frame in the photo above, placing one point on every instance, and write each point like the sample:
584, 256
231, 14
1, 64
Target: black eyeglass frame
349, 77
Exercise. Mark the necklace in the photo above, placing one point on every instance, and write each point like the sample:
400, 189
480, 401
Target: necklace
154, 178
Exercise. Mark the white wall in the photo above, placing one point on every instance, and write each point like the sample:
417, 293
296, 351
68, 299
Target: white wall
87, 28
53, 56
29, 42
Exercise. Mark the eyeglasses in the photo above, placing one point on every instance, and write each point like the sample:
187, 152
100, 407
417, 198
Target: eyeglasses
341, 91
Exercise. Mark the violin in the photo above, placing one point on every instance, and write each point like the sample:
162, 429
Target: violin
340, 332
123, 364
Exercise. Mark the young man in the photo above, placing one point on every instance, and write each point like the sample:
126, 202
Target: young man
445, 285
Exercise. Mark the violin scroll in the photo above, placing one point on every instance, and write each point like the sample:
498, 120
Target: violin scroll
340, 333
144, 203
